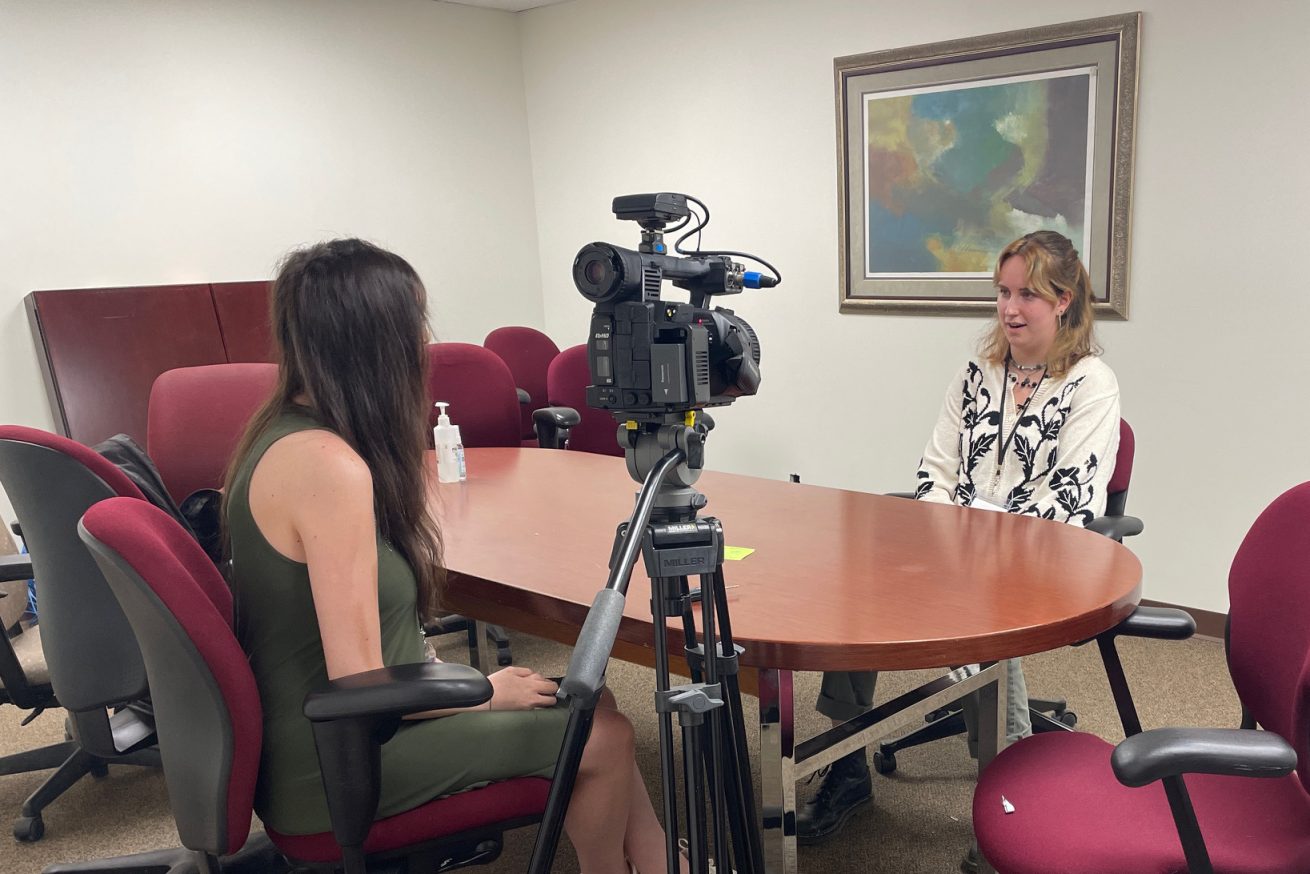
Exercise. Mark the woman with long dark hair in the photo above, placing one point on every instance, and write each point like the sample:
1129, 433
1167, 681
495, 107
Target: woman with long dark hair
336, 561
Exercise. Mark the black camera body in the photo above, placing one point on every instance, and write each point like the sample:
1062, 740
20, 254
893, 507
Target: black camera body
652, 360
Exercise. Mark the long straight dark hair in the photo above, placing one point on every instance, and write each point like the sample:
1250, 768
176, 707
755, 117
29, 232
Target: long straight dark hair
350, 334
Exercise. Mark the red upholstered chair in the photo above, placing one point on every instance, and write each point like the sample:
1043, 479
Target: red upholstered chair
196, 417
484, 404
1084, 805
527, 352
480, 390
1116, 491
566, 386
82, 653
210, 723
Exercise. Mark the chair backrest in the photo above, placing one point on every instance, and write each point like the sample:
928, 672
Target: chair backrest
480, 390
528, 354
88, 645
207, 710
1116, 492
566, 386
1269, 622
196, 417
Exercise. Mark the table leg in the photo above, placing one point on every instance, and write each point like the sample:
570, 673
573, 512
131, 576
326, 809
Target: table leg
778, 771
482, 656
993, 704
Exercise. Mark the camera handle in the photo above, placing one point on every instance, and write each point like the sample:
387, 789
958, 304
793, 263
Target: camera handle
714, 739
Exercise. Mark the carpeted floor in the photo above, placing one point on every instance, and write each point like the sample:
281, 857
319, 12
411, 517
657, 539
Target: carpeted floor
919, 821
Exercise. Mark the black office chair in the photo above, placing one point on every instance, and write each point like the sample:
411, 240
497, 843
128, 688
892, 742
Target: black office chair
25, 683
91, 659
1046, 714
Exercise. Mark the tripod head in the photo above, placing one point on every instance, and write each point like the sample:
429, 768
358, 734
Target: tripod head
645, 444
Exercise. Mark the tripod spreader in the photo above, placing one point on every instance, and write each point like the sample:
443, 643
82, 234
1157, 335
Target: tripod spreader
690, 702
724, 665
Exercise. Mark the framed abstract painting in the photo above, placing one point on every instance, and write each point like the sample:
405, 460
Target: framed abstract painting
948, 151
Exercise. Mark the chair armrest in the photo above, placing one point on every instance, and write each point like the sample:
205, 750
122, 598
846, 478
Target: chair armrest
353, 716
553, 424
15, 567
1158, 623
1232, 752
1116, 527
398, 691
524, 397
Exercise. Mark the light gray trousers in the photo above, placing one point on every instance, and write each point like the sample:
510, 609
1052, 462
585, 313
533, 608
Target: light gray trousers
846, 694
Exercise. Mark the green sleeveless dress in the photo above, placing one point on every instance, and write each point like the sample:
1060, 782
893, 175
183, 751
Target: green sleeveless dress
278, 629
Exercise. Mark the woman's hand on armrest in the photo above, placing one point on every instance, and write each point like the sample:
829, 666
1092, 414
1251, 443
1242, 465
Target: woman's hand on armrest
512, 688
516, 688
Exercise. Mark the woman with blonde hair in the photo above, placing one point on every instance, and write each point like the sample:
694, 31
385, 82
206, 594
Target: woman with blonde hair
1029, 426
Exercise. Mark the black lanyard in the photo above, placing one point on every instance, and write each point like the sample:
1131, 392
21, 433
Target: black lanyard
1000, 422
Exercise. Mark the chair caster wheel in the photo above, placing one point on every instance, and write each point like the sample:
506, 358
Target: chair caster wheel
99, 770
1069, 718
884, 763
29, 828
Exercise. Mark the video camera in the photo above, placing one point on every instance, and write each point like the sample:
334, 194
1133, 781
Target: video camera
654, 361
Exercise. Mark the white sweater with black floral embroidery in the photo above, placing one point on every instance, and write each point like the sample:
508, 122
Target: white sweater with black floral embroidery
1057, 463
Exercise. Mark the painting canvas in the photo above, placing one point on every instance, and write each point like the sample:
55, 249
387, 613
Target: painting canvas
949, 151
955, 172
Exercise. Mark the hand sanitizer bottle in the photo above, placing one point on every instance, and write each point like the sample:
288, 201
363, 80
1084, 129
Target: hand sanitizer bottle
450, 452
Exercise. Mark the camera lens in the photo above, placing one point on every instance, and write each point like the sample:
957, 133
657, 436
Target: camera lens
598, 272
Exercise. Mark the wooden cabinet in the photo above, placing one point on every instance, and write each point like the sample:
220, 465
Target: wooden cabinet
101, 348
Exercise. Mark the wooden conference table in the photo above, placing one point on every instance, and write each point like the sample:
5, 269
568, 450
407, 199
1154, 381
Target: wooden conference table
839, 580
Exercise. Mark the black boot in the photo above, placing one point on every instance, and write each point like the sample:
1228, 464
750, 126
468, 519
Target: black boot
845, 787
972, 860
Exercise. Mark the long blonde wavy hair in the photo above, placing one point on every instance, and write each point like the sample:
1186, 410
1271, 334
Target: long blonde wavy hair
1053, 267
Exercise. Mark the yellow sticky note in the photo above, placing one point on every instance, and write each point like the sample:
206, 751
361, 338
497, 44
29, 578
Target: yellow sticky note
736, 553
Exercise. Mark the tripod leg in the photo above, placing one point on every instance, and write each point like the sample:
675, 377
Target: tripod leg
693, 753
748, 848
561, 787
695, 670
716, 768
702, 670
738, 785
659, 589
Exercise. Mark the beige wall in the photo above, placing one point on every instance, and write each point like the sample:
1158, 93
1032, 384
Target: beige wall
733, 101
157, 142
173, 142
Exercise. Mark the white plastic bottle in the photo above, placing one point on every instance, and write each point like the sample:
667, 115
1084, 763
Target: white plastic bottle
450, 451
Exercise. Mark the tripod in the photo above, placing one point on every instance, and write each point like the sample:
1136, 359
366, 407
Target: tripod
719, 799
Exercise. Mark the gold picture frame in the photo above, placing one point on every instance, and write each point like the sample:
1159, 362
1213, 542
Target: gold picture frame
947, 151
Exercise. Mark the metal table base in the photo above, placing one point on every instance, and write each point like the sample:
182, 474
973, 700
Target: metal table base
783, 761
